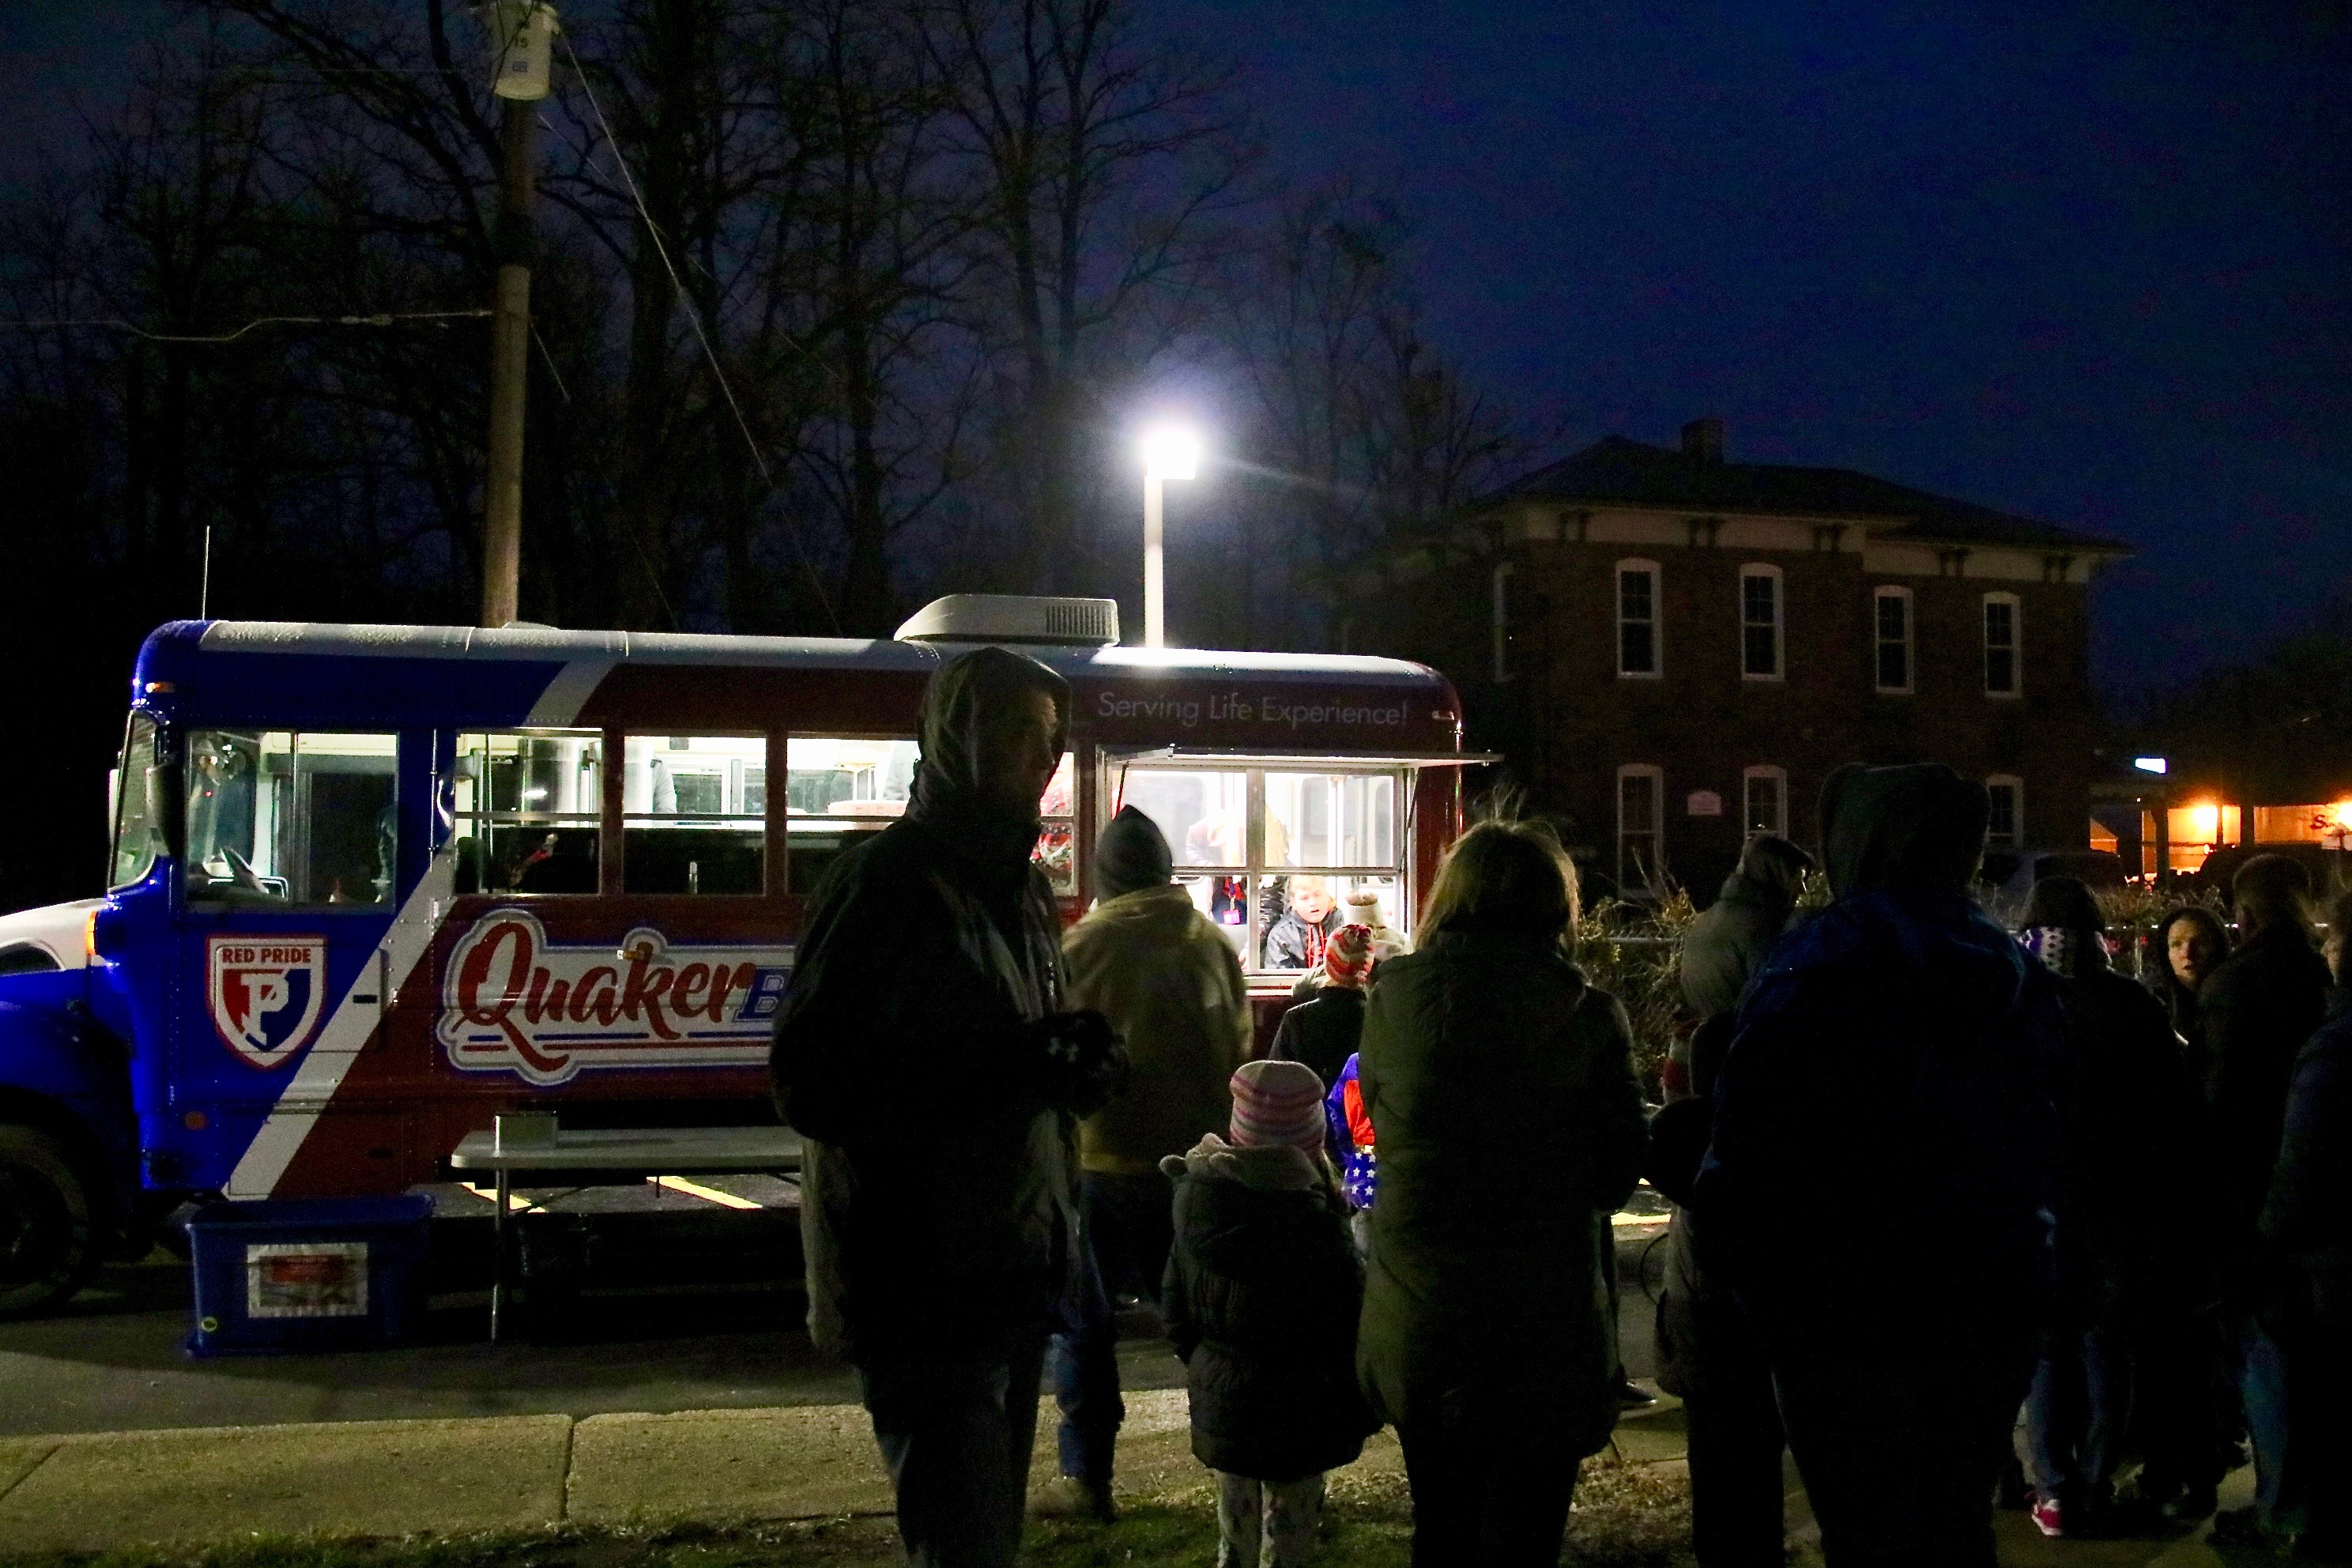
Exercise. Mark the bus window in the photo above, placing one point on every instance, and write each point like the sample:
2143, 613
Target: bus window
1058, 838
137, 805
1202, 813
1321, 839
527, 806
277, 819
688, 823
836, 794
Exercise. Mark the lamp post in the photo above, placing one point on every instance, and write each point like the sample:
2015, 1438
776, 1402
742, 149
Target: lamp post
1170, 452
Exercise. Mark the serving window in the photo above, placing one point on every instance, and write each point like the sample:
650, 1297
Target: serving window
1275, 856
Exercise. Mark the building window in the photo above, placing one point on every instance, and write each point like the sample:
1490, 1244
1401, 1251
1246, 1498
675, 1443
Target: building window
1640, 819
2005, 822
1891, 610
1765, 792
1637, 618
2000, 645
1759, 623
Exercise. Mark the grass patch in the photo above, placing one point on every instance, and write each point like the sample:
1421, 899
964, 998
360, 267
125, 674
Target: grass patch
1626, 1516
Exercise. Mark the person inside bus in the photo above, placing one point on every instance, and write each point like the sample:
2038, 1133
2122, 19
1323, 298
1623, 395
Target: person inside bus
1170, 983
1297, 939
925, 1056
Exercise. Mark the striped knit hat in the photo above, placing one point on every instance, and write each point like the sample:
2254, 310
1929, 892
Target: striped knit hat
1277, 1102
1348, 956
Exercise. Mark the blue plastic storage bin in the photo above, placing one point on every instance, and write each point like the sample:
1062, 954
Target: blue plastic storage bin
307, 1274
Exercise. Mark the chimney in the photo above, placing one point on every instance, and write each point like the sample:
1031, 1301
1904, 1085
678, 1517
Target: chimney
1703, 441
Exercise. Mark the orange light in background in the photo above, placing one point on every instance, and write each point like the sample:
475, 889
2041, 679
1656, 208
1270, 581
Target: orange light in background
2342, 811
2207, 820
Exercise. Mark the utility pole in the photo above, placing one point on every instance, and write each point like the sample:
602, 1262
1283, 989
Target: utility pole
521, 32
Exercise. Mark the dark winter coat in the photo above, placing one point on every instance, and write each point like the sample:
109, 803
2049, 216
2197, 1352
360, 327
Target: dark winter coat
2258, 1007
2131, 1231
1297, 943
2306, 1212
1261, 1297
937, 1167
1728, 941
1902, 1046
1322, 1032
1500, 1089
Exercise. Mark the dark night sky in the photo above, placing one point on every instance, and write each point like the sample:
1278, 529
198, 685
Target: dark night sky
2092, 262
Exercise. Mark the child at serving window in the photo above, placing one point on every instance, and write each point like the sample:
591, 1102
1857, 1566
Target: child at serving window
1262, 1297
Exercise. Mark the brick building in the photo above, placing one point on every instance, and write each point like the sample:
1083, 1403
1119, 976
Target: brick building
1675, 650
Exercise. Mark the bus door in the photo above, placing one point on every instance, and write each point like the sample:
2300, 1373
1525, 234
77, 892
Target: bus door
290, 884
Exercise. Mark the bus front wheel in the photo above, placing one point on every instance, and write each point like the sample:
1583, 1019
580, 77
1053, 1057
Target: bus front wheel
50, 1239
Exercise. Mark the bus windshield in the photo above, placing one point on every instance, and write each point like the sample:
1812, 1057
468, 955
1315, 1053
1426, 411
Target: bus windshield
138, 807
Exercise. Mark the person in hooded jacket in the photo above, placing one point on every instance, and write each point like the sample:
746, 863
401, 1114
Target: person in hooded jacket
1322, 1031
1728, 941
1708, 1354
1170, 983
2305, 1218
2129, 1144
1500, 1087
924, 1054
1263, 1292
2259, 1007
1900, 1041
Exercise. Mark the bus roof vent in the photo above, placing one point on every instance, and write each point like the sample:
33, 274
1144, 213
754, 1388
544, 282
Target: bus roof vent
1014, 618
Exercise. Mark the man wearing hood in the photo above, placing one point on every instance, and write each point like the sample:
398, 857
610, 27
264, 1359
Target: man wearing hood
1170, 983
924, 1055
1902, 1043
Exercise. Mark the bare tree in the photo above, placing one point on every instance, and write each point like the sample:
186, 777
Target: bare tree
1107, 163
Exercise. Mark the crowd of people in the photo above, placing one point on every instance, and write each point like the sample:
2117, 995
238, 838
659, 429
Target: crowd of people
2100, 1222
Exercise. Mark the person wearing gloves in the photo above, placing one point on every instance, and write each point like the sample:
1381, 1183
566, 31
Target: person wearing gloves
1902, 1041
1500, 1087
1172, 986
1321, 1031
2121, 1250
926, 1057
1262, 1293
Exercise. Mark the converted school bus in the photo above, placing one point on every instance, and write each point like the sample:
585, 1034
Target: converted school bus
371, 885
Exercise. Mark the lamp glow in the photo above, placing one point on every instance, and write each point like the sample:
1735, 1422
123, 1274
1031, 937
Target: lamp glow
2206, 822
2152, 765
1171, 452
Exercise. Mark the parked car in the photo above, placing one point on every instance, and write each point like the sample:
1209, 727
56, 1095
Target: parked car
2005, 881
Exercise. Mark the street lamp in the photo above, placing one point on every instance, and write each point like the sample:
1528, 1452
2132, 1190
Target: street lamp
1170, 452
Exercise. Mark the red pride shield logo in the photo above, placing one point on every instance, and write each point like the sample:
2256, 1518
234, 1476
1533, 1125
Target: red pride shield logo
266, 994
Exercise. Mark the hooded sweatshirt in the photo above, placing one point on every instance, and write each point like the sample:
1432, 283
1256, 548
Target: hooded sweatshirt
1169, 981
937, 1166
1902, 1043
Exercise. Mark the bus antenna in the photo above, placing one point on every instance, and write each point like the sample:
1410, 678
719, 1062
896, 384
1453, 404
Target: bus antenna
205, 584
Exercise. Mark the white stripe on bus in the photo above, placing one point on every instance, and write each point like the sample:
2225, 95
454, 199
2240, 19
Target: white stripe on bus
321, 1072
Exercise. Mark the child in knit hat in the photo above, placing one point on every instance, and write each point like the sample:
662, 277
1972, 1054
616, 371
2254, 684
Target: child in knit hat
1262, 1297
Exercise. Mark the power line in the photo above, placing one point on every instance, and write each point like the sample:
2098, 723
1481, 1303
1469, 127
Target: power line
381, 319
694, 319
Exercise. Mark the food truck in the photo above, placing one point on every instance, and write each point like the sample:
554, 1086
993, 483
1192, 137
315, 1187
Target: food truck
371, 886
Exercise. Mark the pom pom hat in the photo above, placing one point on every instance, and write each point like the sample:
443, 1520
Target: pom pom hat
1277, 1102
1348, 956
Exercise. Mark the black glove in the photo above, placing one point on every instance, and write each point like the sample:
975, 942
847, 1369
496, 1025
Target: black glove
1082, 1061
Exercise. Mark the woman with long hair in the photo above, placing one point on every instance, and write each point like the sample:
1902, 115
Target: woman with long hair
1500, 1087
2191, 943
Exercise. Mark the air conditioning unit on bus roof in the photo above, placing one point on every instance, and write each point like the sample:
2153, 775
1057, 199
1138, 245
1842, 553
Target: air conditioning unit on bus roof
1014, 618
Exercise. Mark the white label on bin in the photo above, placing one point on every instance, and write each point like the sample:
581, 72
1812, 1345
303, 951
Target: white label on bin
306, 1280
